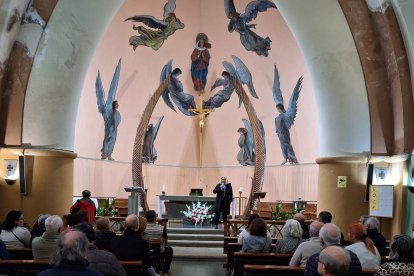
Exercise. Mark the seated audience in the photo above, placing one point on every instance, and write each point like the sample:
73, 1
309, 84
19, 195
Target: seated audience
85, 204
103, 233
99, 260
157, 231
308, 248
363, 247
333, 260
372, 226
243, 234
292, 237
362, 219
4, 255
38, 227
326, 217
14, 234
259, 239
142, 226
72, 220
130, 246
305, 228
71, 257
401, 261
43, 247
330, 235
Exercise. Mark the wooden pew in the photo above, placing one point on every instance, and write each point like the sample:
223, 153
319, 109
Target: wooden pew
242, 258
269, 270
33, 267
20, 253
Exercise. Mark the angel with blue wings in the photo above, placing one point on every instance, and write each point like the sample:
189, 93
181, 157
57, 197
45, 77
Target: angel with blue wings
164, 28
175, 91
109, 111
239, 23
149, 153
285, 119
246, 155
241, 73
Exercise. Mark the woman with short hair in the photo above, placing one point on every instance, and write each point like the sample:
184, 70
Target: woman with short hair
259, 239
292, 237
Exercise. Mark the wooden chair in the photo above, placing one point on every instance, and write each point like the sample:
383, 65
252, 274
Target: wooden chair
242, 258
121, 204
265, 209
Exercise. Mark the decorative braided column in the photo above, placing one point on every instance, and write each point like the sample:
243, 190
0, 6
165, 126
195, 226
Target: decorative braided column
137, 178
260, 156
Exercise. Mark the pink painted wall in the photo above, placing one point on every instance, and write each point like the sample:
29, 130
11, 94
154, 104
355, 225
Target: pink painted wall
177, 140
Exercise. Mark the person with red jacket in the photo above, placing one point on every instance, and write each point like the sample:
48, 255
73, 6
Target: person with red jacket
85, 204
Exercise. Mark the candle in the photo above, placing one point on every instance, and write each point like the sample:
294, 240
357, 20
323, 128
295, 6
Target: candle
240, 190
163, 188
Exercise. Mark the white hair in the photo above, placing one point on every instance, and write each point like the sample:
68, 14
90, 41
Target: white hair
53, 224
292, 228
330, 233
372, 223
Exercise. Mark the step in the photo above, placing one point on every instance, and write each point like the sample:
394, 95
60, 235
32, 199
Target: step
172, 230
193, 243
186, 253
200, 237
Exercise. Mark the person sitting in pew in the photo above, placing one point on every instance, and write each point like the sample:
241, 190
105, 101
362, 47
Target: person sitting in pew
401, 261
14, 234
372, 226
333, 260
292, 237
43, 247
259, 239
245, 233
305, 228
330, 235
308, 248
103, 233
4, 255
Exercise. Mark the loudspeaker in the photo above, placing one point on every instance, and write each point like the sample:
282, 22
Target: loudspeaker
22, 175
370, 175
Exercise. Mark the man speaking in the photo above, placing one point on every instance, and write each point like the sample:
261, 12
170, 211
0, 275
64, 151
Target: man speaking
224, 197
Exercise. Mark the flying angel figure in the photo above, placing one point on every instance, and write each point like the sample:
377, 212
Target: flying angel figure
285, 119
174, 91
149, 153
164, 28
109, 111
241, 73
238, 22
246, 154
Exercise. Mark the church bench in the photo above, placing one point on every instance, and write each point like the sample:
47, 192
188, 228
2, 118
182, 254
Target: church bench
242, 258
269, 270
20, 253
32, 267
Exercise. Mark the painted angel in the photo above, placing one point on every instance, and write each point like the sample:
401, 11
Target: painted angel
163, 28
239, 23
285, 119
241, 73
109, 111
246, 155
149, 153
175, 91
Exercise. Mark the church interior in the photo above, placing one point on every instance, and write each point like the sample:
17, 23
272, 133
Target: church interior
355, 109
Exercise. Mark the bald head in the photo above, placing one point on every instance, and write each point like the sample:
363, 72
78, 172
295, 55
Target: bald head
314, 228
132, 222
299, 217
330, 234
334, 260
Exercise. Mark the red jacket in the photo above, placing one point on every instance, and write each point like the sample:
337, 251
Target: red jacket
84, 204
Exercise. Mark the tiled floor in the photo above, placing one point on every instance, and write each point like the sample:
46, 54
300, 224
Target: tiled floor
197, 268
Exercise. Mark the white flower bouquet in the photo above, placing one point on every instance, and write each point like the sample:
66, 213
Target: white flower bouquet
198, 212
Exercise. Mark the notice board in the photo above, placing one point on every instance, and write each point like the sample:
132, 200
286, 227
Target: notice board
381, 200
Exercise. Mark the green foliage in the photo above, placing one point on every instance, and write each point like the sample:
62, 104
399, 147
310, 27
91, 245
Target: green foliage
280, 214
108, 209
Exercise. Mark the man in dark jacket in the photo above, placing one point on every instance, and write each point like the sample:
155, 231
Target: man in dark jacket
131, 247
380, 242
224, 197
100, 260
330, 235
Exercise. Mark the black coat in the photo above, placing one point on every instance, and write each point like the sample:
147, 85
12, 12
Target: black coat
223, 198
130, 246
379, 241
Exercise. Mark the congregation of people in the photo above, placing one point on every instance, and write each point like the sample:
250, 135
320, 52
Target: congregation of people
76, 245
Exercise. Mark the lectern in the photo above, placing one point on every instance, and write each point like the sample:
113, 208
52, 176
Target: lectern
134, 200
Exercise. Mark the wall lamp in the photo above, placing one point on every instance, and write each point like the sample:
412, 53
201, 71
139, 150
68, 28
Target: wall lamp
12, 173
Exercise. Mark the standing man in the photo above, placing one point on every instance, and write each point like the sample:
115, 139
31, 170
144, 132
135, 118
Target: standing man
224, 197
85, 204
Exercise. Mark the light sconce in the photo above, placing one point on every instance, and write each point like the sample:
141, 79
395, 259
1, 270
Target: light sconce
381, 174
12, 173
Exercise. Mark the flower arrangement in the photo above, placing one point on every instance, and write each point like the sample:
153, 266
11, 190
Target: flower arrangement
198, 213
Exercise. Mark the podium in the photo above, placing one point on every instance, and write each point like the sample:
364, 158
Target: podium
134, 200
